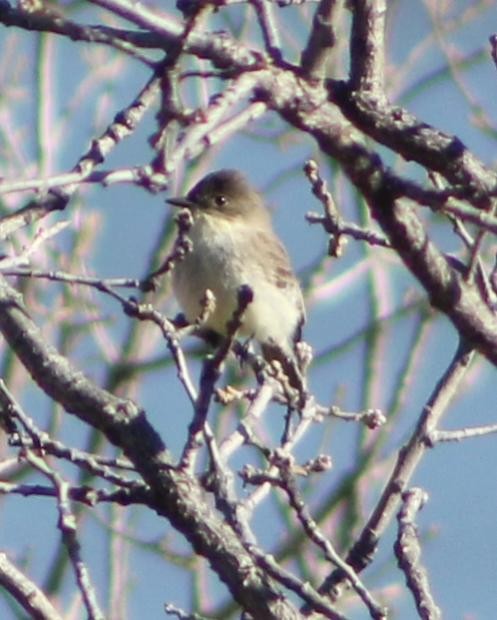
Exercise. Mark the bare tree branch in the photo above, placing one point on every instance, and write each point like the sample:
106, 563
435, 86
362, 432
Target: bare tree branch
25, 592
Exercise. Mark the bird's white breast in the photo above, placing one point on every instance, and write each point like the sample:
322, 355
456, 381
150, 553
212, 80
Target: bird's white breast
224, 257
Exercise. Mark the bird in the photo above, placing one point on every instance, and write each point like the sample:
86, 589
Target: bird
234, 246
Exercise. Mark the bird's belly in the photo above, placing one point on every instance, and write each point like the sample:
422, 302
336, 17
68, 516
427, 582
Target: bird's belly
213, 267
271, 316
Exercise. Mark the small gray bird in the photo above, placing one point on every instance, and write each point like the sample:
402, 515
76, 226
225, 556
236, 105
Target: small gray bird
234, 245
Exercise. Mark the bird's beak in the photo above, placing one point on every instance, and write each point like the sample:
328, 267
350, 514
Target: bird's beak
183, 203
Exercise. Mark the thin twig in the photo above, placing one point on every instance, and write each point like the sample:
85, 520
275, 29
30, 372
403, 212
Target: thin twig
332, 221
408, 458
265, 16
436, 436
285, 480
68, 527
211, 371
322, 39
27, 594
408, 552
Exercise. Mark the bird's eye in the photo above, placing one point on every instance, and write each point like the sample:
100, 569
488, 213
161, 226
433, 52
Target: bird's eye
220, 200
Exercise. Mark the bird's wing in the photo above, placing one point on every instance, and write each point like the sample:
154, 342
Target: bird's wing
274, 260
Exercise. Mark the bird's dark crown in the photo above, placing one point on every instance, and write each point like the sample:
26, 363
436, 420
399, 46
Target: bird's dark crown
226, 192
